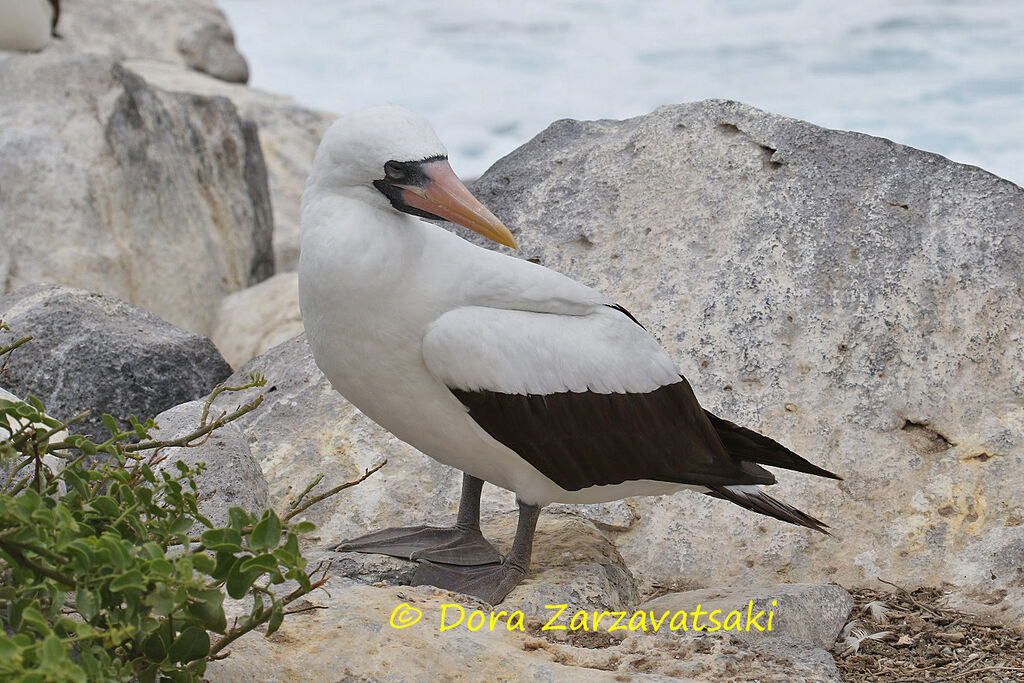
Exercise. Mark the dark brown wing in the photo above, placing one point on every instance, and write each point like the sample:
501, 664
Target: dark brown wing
582, 439
746, 444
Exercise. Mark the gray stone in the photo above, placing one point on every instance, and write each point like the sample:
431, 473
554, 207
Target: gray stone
94, 352
109, 184
813, 613
289, 136
190, 33
857, 300
232, 476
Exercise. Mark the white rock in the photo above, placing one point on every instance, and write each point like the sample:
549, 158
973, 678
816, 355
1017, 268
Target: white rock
258, 318
190, 33
113, 186
231, 477
289, 136
347, 634
812, 613
857, 300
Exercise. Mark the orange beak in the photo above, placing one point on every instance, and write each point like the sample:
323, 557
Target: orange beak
444, 195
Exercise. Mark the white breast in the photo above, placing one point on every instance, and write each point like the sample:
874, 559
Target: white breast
25, 25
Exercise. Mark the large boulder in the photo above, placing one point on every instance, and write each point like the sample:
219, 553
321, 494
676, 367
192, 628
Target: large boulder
109, 184
190, 33
93, 352
231, 477
348, 632
855, 299
289, 136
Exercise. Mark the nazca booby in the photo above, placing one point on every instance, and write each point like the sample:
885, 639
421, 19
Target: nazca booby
27, 25
499, 367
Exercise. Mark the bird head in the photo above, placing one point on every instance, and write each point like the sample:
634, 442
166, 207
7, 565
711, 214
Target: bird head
391, 157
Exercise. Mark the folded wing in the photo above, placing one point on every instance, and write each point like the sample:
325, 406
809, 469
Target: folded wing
586, 399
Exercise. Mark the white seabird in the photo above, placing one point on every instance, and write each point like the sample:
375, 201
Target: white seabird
504, 369
27, 25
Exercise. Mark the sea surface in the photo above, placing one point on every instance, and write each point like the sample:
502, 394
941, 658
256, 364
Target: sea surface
942, 75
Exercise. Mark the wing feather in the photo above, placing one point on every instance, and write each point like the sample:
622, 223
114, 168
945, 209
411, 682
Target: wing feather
587, 400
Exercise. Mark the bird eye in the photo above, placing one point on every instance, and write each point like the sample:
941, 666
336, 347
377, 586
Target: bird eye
394, 171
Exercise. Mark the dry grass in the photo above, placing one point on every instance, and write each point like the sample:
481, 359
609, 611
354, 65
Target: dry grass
912, 636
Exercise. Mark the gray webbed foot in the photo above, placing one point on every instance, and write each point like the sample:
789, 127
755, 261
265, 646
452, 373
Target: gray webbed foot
491, 583
454, 545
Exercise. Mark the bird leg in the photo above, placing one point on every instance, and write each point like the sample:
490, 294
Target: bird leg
490, 583
461, 545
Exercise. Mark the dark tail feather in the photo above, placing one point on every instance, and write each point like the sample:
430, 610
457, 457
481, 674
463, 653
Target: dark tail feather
746, 444
753, 498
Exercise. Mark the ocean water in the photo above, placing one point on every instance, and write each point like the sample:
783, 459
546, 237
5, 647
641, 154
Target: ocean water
942, 75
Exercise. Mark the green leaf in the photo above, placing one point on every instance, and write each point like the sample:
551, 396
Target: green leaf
266, 534
131, 579
139, 429
115, 551
75, 483
148, 674
106, 505
34, 618
53, 649
227, 540
225, 561
180, 525
110, 423
161, 567
191, 644
8, 649
154, 647
237, 518
87, 602
162, 601
261, 563
203, 563
276, 617
207, 607
239, 582
304, 527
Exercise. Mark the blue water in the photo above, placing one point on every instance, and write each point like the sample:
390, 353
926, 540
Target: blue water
942, 75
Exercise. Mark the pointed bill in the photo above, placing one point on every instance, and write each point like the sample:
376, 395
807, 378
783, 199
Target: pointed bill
444, 195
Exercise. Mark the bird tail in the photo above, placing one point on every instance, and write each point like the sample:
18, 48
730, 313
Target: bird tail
754, 498
749, 446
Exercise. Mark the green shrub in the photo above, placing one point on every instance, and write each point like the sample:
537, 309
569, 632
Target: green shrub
99, 578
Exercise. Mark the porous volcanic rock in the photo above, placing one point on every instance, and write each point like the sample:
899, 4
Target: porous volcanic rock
97, 353
858, 300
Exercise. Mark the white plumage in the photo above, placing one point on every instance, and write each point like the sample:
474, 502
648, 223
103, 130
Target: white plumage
502, 368
25, 25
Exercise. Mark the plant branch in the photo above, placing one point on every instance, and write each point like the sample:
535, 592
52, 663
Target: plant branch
12, 548
316, 499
